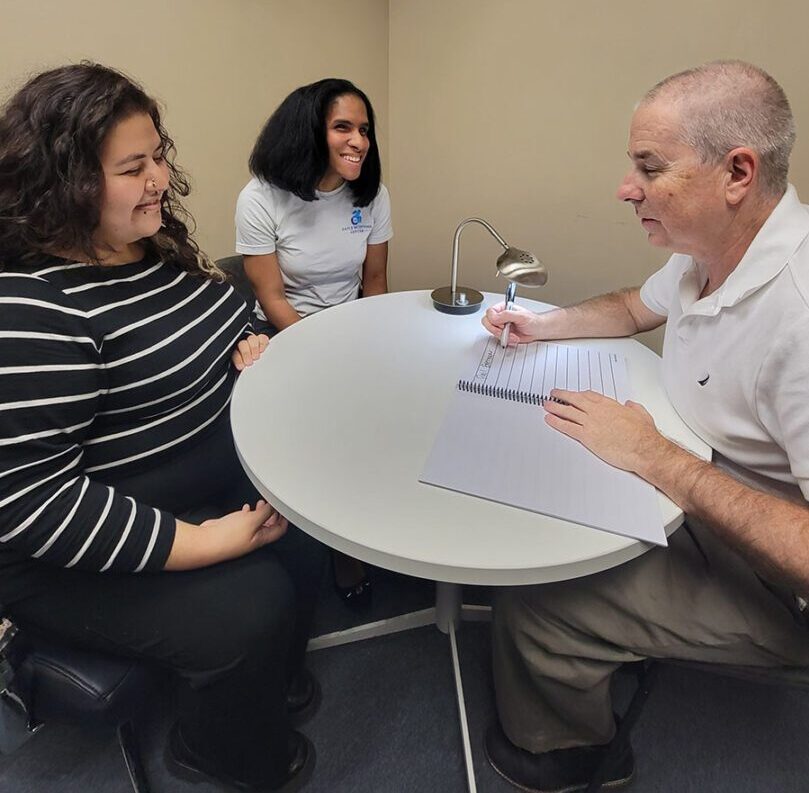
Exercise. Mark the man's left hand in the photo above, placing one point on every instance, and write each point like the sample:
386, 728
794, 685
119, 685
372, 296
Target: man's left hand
622, 435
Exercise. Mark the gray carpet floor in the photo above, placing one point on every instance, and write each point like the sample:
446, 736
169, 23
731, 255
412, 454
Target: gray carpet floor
388, 722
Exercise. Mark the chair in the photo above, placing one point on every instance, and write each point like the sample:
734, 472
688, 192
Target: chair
234, 267
646, 673
58, 682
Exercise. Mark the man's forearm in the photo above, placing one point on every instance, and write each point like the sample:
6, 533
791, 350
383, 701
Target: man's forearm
610, 315
770, 532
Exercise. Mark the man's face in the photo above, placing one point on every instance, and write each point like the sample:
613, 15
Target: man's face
679, 200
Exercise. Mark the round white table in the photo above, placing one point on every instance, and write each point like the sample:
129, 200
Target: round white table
334, 424
335, 421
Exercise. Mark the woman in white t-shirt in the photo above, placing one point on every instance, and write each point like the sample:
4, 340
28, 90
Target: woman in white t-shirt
313, 223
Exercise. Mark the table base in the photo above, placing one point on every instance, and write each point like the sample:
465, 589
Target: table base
449, 611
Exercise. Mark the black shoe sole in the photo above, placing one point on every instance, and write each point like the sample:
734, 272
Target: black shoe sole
612, 783
181, 769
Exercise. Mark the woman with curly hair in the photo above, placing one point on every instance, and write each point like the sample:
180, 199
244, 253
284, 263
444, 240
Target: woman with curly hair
314, 222
126, 522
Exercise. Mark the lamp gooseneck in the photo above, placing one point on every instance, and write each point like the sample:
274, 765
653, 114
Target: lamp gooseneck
517, 265
456, 241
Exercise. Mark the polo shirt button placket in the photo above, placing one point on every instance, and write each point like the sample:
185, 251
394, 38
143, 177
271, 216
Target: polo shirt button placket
682, 330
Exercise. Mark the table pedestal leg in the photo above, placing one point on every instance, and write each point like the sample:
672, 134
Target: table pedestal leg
446, 615
371, 630
467, 744
447, 605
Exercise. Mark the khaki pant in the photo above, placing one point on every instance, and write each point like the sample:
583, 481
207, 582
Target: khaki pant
557, 645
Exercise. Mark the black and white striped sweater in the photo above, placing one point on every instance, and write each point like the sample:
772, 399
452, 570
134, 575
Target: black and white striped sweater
104, 371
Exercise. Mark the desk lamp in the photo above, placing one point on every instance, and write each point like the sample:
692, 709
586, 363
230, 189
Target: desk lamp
520, 267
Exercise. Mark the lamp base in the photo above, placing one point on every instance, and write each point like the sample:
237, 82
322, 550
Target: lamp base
467, 301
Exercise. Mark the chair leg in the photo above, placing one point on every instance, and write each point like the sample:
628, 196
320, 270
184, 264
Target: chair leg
127, 739
646, 674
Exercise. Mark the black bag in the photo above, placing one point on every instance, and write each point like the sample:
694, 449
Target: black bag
16, 725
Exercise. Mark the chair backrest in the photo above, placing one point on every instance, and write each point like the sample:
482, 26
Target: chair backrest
234, 267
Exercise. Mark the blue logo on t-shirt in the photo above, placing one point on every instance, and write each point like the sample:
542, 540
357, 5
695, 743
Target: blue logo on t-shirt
356, 217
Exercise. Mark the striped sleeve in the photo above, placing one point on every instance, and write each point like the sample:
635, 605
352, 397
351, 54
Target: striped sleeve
52, 380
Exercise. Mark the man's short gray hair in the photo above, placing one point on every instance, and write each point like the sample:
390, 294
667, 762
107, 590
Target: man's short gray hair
727, 104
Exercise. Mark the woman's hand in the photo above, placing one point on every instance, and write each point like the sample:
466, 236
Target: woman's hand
229, 537
249, 350
524, 323
241, 532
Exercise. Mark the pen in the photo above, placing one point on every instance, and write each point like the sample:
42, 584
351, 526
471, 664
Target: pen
511, 290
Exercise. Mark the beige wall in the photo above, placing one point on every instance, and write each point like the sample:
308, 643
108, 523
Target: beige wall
219, 66
517, 111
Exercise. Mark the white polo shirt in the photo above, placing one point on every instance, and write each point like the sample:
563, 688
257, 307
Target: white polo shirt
321, 245
736, 363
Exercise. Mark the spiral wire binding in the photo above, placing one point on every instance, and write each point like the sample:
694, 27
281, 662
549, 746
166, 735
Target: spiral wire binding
511, 394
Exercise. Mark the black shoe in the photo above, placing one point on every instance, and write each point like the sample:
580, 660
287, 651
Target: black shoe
558, 771
303, 697
185, 764
357, 596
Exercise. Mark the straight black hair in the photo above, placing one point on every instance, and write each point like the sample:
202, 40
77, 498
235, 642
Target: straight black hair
291, 150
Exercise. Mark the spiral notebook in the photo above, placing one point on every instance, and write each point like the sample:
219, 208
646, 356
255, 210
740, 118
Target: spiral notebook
493, 442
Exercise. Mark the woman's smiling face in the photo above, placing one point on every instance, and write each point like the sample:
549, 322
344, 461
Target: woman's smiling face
347, 140
135, 177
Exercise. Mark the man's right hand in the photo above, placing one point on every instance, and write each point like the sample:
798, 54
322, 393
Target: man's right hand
524, 323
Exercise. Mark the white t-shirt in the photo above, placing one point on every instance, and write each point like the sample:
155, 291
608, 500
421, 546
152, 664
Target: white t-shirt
736, 363
321, 245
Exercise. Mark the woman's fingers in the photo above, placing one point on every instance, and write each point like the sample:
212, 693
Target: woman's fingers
249, 350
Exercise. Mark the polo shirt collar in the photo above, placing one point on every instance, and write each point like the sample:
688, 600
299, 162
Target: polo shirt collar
771, 249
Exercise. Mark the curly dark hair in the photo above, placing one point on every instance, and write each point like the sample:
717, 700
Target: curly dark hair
291, 150
51, 180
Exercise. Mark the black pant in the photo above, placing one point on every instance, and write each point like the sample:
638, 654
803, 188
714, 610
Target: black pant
234, 632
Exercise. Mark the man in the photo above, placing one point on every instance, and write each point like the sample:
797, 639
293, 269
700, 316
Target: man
709, 149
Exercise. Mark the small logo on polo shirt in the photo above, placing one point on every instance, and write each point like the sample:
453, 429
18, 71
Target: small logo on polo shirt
704, 379
359, 225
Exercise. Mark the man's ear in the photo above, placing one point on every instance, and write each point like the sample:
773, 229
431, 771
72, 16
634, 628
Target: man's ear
742, 166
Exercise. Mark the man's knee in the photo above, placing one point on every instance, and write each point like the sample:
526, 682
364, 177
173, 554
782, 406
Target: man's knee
516, 628
516, 607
